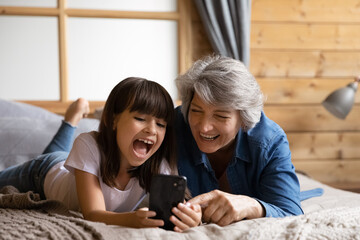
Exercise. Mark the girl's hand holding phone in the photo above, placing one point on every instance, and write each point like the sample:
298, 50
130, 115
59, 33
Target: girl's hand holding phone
142, 218
187, 216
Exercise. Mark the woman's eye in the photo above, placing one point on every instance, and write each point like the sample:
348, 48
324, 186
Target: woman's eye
222, 117
194, 110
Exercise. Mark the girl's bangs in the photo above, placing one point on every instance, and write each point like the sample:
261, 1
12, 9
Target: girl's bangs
152, 100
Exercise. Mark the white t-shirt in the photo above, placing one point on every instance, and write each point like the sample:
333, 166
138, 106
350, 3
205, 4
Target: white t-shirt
85, 155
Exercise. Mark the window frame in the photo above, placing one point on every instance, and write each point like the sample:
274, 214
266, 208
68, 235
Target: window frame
62, 12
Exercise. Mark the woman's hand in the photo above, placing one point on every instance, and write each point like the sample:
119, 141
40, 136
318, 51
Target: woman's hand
223, 208
142, 219
189, 215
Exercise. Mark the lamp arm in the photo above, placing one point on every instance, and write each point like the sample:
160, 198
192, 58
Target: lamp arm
355, 83
357, 79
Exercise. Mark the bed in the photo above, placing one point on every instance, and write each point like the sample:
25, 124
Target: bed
25, 130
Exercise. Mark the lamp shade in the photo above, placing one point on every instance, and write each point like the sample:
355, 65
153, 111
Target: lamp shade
340, 102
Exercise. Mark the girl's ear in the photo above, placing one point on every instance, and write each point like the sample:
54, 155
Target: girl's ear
116, 118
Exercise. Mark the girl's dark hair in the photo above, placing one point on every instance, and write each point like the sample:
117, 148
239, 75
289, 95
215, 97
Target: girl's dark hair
145, 97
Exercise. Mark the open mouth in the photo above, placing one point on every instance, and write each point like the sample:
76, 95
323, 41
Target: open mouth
142, 146
209, 137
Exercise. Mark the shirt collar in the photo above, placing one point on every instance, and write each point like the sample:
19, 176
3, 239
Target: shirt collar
241, 147
199, 156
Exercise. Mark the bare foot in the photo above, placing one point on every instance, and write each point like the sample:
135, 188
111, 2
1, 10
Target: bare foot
76, 111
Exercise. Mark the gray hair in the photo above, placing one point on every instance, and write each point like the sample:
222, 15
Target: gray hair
223, 82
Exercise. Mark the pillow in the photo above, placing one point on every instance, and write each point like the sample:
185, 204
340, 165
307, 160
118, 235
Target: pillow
17, 109
26, 130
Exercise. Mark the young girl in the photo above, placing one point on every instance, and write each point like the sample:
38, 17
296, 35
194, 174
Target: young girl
107, 173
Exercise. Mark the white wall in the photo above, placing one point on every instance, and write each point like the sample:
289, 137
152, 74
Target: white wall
29, 58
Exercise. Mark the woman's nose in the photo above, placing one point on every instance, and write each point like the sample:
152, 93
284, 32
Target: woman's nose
205, 125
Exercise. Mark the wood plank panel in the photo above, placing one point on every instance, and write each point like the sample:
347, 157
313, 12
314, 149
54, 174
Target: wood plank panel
305, 36
72, 12
276, 63
60, 107
62, 23
31, 11
200, 41
330, 171
306, 10
313, 118
324, 145
302, 50
184, 36
301, 90
28, 11
348, 186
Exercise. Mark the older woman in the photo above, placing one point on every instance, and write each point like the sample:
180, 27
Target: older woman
237, 161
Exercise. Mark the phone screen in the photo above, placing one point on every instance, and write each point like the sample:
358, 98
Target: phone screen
166, 191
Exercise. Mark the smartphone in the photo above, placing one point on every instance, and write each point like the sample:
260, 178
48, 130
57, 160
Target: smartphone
166, 191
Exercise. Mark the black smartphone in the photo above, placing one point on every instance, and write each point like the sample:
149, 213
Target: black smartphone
166, 191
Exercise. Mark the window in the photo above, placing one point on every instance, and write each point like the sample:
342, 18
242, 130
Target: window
57, 51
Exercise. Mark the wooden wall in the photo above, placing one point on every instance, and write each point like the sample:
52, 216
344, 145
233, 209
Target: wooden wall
301, 50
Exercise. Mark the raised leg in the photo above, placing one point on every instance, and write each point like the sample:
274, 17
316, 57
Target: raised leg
63, 139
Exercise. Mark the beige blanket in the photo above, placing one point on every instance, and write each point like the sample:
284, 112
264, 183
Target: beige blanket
336, 215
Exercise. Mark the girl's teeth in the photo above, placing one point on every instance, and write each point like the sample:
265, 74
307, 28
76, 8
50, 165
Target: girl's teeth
146, 141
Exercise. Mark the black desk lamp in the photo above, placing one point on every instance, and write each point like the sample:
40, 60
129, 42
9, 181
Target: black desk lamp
340, 102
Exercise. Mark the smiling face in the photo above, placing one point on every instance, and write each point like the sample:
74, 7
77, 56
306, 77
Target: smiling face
214, 128
138, 137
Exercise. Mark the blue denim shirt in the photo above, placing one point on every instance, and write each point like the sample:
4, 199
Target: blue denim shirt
261, 167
